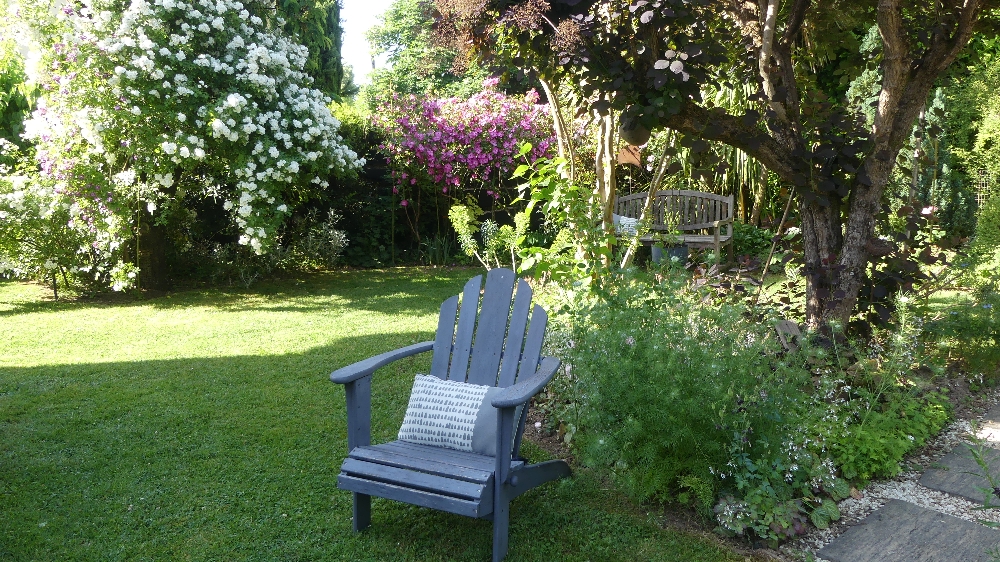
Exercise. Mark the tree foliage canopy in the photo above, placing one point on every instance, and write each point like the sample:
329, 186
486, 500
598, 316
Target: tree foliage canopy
652, 61
418, 62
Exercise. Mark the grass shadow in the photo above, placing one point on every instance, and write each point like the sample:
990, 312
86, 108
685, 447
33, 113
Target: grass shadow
397, 290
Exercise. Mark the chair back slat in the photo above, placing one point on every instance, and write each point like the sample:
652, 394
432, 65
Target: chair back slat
533, 344
444, 338
515, 335
492, 327
459, 367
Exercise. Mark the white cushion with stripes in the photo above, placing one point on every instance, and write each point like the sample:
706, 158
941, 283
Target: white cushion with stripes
452, 414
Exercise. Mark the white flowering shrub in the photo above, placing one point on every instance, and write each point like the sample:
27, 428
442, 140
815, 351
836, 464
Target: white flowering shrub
37, 235
169, 100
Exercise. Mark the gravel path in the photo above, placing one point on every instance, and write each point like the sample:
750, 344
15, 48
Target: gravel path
905, 487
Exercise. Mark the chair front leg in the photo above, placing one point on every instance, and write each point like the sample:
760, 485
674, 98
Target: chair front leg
501, 494
359, 434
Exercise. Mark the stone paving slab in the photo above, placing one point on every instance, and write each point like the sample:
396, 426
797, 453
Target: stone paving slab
951, 474
990, 427
902, 532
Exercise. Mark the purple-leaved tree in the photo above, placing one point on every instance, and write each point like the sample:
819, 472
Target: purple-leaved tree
651, 61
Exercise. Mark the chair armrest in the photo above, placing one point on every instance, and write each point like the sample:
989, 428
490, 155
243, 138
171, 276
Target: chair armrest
364, 368
717, 224
523, 390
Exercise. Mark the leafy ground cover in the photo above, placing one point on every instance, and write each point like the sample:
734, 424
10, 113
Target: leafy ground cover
201, 425
684, 396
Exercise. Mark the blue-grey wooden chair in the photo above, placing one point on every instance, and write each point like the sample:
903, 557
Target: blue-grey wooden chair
496, 347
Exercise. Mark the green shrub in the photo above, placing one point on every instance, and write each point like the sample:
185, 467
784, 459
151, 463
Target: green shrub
685, 402
367, 204
874, 447
988, 225
40, 236
16, 96
751, 240
867, 410
683, 398
970, 330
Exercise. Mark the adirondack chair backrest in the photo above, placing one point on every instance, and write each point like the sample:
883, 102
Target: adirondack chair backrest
489, 342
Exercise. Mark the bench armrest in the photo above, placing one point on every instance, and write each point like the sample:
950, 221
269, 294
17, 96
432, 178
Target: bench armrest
523, 390
364, 368
717, 224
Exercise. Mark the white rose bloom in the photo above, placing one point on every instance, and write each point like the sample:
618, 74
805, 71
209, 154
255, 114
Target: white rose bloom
166, 180
181, 117
125, 178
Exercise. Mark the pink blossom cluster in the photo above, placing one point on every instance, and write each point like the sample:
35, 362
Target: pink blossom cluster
448, 143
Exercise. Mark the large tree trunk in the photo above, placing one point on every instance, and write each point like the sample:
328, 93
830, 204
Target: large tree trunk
836, 257
154, 272
822, 244
606, 186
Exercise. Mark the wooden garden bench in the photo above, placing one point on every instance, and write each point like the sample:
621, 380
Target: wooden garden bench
701, 218
498, 347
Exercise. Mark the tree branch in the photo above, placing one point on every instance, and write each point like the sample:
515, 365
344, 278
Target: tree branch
941, 53
769, 17
786, 68
757, 21
796, 16
731, 130
895, 66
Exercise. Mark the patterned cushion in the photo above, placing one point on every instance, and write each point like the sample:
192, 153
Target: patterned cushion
452, 414
626, 225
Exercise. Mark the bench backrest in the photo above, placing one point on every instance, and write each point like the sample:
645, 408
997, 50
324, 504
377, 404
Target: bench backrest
692, 210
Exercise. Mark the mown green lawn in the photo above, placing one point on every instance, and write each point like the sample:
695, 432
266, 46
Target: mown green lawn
202, 426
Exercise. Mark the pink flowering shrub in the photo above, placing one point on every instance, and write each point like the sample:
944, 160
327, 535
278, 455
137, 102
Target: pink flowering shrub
446, 144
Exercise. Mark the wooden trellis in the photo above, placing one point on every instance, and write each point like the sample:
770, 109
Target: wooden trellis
984, 187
